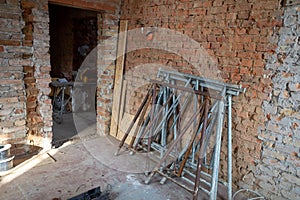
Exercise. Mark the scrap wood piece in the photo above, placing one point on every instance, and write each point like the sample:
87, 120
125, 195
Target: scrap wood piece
52, 157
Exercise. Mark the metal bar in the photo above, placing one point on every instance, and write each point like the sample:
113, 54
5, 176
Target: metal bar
197, 141
187, 153
141, 131
211, 94
205, 190
201, 83
139, 124
174, 181
168, 114
205, 182
207, 85
195, 107
201, 188
201, 179
175, 118
152, 117
229, 148
157, 146
172, 146
208, 134
164, 126
208, 131
173, 107
181, 110
157, 104
174, 112
228, 86
147, 128
216, 161
146, 122
187, 180
163, 180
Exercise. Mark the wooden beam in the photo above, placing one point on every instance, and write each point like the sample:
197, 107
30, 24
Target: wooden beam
118, 84
87, 5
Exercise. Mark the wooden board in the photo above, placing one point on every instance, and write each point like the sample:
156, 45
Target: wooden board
123, 126
118, 83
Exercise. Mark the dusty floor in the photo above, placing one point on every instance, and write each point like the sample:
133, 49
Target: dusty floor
71, 125
83, 164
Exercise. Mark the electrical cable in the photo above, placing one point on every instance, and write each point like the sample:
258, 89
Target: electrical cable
248, 190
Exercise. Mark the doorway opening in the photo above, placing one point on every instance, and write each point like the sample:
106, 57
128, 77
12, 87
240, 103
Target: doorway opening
73, 35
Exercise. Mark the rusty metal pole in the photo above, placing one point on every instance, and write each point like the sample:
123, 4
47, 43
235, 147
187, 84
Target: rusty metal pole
200, 156
133, 122
150, 125
187, 153
140, 121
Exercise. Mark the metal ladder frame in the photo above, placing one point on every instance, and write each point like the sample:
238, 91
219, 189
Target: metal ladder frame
190, 83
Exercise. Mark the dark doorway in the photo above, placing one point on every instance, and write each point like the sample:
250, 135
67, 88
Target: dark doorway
73, 35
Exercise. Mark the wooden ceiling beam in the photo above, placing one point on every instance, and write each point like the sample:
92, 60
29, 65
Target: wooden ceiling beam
102, 5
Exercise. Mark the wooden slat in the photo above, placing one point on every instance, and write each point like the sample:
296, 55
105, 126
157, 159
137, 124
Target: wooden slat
115, 119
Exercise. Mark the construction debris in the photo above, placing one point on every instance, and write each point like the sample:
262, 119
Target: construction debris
51, 157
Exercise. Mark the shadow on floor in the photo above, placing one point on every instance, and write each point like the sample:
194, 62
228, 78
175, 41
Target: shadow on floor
23, 152
71, 125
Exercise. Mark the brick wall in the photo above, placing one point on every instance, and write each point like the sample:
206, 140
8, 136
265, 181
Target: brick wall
12, 59
242, 37
106, 60
25, 108
278, 173
37, 77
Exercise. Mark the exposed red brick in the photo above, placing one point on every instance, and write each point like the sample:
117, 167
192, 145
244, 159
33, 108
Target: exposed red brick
10, 42
247, 62
237, 34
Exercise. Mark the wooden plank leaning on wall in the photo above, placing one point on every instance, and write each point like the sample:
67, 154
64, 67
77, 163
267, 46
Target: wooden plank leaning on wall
118, 99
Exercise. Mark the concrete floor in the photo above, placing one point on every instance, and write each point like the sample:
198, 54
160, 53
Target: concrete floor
85, 162
72, 124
